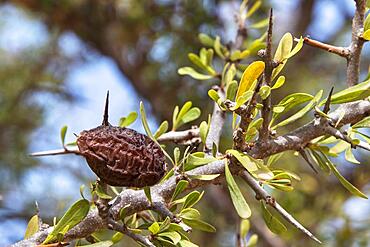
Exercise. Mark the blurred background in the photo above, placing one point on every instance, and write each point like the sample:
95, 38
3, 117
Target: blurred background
58, 59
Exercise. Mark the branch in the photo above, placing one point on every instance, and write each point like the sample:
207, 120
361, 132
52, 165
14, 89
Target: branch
264, 132
190, 135
340, 51
353, 62
217, 124
262, 194
299, 138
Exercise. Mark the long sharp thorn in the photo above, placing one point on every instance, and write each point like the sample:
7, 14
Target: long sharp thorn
328, 101
105, 119
304, 156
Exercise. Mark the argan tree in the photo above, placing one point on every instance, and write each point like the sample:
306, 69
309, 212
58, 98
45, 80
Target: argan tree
243, 92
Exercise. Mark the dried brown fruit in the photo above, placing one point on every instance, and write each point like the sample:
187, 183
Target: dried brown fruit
122, 156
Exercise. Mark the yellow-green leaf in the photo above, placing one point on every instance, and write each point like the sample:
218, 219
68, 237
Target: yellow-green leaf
126, 121
144, 121
63, 132
237, 197
357, 92
279, 82
161, 130
301, 112
366, 35
345, 183
272, 223
74, 215
32, 227
193, 73
251, 73
244, 160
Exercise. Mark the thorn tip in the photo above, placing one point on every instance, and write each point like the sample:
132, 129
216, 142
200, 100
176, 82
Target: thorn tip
105, 118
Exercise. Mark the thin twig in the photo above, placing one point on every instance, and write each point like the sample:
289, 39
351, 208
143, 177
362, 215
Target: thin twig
137, 237
262, 194
340, 51
264, 132
343, 136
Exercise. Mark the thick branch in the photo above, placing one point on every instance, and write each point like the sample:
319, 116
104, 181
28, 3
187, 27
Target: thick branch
299, 138
353, 64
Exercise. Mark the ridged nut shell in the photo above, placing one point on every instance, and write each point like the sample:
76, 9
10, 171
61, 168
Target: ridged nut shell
122, 156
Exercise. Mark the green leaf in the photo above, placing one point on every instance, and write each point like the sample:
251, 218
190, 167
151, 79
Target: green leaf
218, 47
117, 237
161, 130
106, 243
165, 225
186, 243
273, 158
350, 157
253, 9
366, 35
272, 223
297, 48
237, 198
231, 89
213, 95
200, 158
250, 74
206, 40
244, 228
193, 73
284, 47
301, 112
148, 194
260, 24
184, 109
345, 183
367, 23
235, 55
190, 213
357, 92
320, 159
252, 241
204, 177
180, 187
192, 198
126, 121
340, 147
200, 225
279, 82
144, 121
244, 160
101, 193
174, 117
364, 123
154, 228
203, 131
32, 226
173, 236
191, 115
74, 215
264, 92
63, 132
242, 100
229, 75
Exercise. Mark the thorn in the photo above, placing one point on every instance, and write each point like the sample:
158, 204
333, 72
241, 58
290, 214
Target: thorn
304, 156
74, 150
328, 101
105, 118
